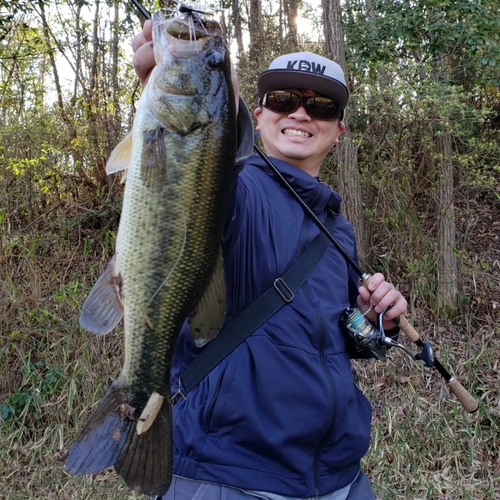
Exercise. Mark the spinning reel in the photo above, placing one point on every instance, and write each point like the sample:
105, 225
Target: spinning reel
374, 340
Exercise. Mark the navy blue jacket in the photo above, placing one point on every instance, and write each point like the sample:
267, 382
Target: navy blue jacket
281, 413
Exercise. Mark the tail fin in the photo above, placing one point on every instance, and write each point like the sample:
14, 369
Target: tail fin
102, 438
110, 438
145, 462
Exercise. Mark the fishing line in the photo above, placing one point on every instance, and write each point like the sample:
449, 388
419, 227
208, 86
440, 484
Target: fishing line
310, 212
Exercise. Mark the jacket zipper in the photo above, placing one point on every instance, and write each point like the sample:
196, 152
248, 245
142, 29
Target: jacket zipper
333, 391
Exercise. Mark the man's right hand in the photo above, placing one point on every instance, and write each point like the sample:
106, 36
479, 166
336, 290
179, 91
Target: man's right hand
144, 58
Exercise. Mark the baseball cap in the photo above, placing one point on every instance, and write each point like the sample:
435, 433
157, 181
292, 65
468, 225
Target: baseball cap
305, 70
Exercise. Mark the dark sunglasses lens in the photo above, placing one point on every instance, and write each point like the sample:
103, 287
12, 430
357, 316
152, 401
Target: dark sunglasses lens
282, 102
322, 108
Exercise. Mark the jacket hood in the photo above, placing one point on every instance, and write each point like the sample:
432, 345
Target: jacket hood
318, 195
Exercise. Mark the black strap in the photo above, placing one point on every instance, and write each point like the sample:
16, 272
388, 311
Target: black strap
256, 314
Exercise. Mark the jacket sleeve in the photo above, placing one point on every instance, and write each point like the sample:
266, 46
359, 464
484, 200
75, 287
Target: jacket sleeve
245, 135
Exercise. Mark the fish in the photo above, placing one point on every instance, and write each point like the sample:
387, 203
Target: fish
178, 162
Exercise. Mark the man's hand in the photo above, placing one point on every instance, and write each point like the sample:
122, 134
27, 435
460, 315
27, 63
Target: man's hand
144, 58
381, 295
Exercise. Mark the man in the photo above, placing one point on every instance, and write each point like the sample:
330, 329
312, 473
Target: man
281, 417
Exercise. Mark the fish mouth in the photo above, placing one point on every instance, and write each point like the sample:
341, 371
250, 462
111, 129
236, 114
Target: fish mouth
188, 24
182, 36
190, 29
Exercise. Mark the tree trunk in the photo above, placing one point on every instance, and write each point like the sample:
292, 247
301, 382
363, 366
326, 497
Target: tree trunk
115, 50
291, 8
66, 117
447, 268
447, 262
57, 81
115, 118
78, 55
238, 32
255, 29
347, 151
93, 104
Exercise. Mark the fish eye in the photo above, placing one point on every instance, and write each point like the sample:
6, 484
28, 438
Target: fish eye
214, 59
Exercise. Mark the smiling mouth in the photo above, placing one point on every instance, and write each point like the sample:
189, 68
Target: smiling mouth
296, 133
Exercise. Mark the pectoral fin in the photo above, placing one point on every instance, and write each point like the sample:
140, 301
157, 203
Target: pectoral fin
119, 159
154, 159
103, 310
208, 317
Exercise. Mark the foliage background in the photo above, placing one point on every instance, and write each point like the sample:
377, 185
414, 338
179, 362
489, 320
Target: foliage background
425, 93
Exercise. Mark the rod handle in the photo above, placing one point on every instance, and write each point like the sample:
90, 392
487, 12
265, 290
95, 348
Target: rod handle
463, 395
408, 330
460, 392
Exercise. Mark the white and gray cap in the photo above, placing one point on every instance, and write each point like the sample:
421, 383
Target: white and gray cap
305, 70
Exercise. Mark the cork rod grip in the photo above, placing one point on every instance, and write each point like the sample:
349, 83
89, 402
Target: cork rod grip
408, 330
463, 395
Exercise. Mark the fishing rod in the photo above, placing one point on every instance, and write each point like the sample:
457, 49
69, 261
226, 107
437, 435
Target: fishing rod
181, 7
145, 13
465, 398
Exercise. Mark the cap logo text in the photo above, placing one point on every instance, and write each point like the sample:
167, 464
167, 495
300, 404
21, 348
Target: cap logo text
306, 66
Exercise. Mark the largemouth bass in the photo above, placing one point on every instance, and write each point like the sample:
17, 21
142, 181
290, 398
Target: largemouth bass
179, 159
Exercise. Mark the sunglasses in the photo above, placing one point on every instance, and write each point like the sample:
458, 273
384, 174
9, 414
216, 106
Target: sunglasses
284, 101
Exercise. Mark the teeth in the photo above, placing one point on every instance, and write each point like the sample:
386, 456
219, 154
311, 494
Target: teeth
297, 133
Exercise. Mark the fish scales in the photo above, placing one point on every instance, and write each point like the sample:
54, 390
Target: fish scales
179, 159
184, 245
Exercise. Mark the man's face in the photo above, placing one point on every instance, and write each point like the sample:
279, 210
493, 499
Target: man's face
297, 138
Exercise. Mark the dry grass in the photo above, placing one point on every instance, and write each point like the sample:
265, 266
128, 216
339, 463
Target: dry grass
424, 446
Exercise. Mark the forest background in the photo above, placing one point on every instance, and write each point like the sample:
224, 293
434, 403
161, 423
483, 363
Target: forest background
418, 168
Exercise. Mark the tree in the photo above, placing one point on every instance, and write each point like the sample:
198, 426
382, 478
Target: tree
291, 42
348, 175
255, 31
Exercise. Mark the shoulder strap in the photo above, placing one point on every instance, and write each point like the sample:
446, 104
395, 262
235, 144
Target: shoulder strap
256, 314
